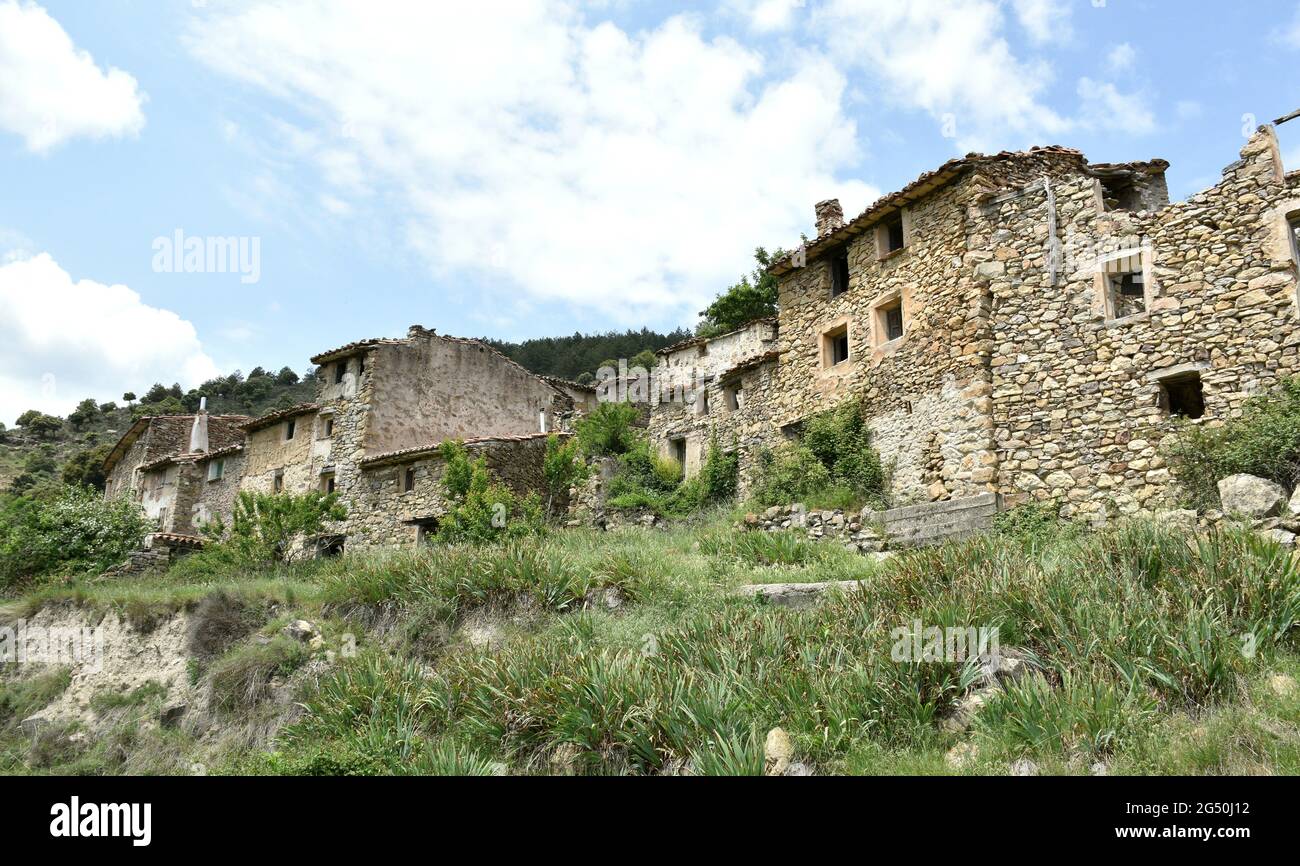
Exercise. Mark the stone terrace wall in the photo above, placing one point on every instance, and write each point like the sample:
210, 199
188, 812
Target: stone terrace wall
1076, 405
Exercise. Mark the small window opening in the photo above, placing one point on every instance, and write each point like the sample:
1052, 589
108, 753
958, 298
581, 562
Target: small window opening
835, 346
839, 274
1120, 194
1183, 396
216, 470
892, 237
361, 366
702, 400
327, 483
1127, 294
1293, 232
340, 369
290, 428
735, 395
327, 428
677, 447
889, 321
277, 484
426, 531
408, 479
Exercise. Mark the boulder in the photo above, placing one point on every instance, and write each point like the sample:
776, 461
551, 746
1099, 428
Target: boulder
1251, 496
1293, 506
778, 752
1281, 536
299, 630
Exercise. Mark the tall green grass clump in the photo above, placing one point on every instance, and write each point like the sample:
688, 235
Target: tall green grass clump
832, 465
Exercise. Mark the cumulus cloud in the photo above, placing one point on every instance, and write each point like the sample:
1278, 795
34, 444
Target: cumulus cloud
1044, 20
572, 160
766, 16
950, 58
1104, 106
51, 91
63, 340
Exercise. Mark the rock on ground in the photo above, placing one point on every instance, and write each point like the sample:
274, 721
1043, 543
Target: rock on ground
1251, 496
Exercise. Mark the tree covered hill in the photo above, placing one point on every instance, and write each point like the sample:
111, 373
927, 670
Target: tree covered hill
572, 357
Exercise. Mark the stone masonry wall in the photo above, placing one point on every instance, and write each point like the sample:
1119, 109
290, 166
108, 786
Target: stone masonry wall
382, 512
1076, 388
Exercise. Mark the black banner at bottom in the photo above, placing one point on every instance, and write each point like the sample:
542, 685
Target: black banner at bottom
140, 817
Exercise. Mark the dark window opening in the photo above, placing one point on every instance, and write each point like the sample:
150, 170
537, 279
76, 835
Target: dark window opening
408, 480
677, 448
290, 428
1183, 396
330, 546
894, 322
839, 274
894, 239
361, 365
1120, 193
327, 483
277, 484
339, 370
327, 428
735, 395
702, 401
840, 348
1127, 294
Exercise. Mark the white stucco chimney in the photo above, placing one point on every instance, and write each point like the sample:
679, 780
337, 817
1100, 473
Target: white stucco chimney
199, 432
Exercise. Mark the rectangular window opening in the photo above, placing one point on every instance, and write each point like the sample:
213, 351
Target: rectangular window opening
290, 428
216, 470
835, 346
1127, 293
408, 479
277, 483
839, 274
340, 369
327, 483
677, 448
326, 428
735, 395
889, 322
1183, 396
892, 236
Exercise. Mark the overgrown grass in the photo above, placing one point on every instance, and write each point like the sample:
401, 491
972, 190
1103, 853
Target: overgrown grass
1155, 652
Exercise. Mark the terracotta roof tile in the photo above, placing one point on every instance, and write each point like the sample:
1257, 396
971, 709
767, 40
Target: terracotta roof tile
693, 341
270, 418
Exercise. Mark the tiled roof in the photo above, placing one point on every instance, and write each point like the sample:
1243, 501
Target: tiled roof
192, 456
176, 539
567, 383
169, 435
279, 415
925, 184
695, 341
351, 349
405, 454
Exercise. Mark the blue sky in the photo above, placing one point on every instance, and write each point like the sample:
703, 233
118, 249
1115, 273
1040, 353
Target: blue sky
531, 168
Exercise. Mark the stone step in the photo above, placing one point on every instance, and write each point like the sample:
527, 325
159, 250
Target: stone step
936, 522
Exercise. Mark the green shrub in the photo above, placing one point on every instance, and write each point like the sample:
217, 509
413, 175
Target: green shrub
610, 430
562, 468
1034, 523
77, 532
788, 473
241, 679
833, 465
1264, 441
481, 510
264, 527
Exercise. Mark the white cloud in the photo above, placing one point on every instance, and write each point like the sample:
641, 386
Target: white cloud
63, 340
50, 91
572, 160
766, 16
952, 59
1188, 109
1121, 58
1105, 107
1044, 21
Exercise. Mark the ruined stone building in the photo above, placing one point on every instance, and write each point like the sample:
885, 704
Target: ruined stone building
1025, 323
383, 407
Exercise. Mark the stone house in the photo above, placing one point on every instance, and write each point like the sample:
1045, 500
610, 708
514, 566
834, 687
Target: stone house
1030, 324
383, 407
700, 389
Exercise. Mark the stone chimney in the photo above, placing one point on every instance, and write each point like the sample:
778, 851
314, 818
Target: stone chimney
199, 432
419, 331
830, 216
